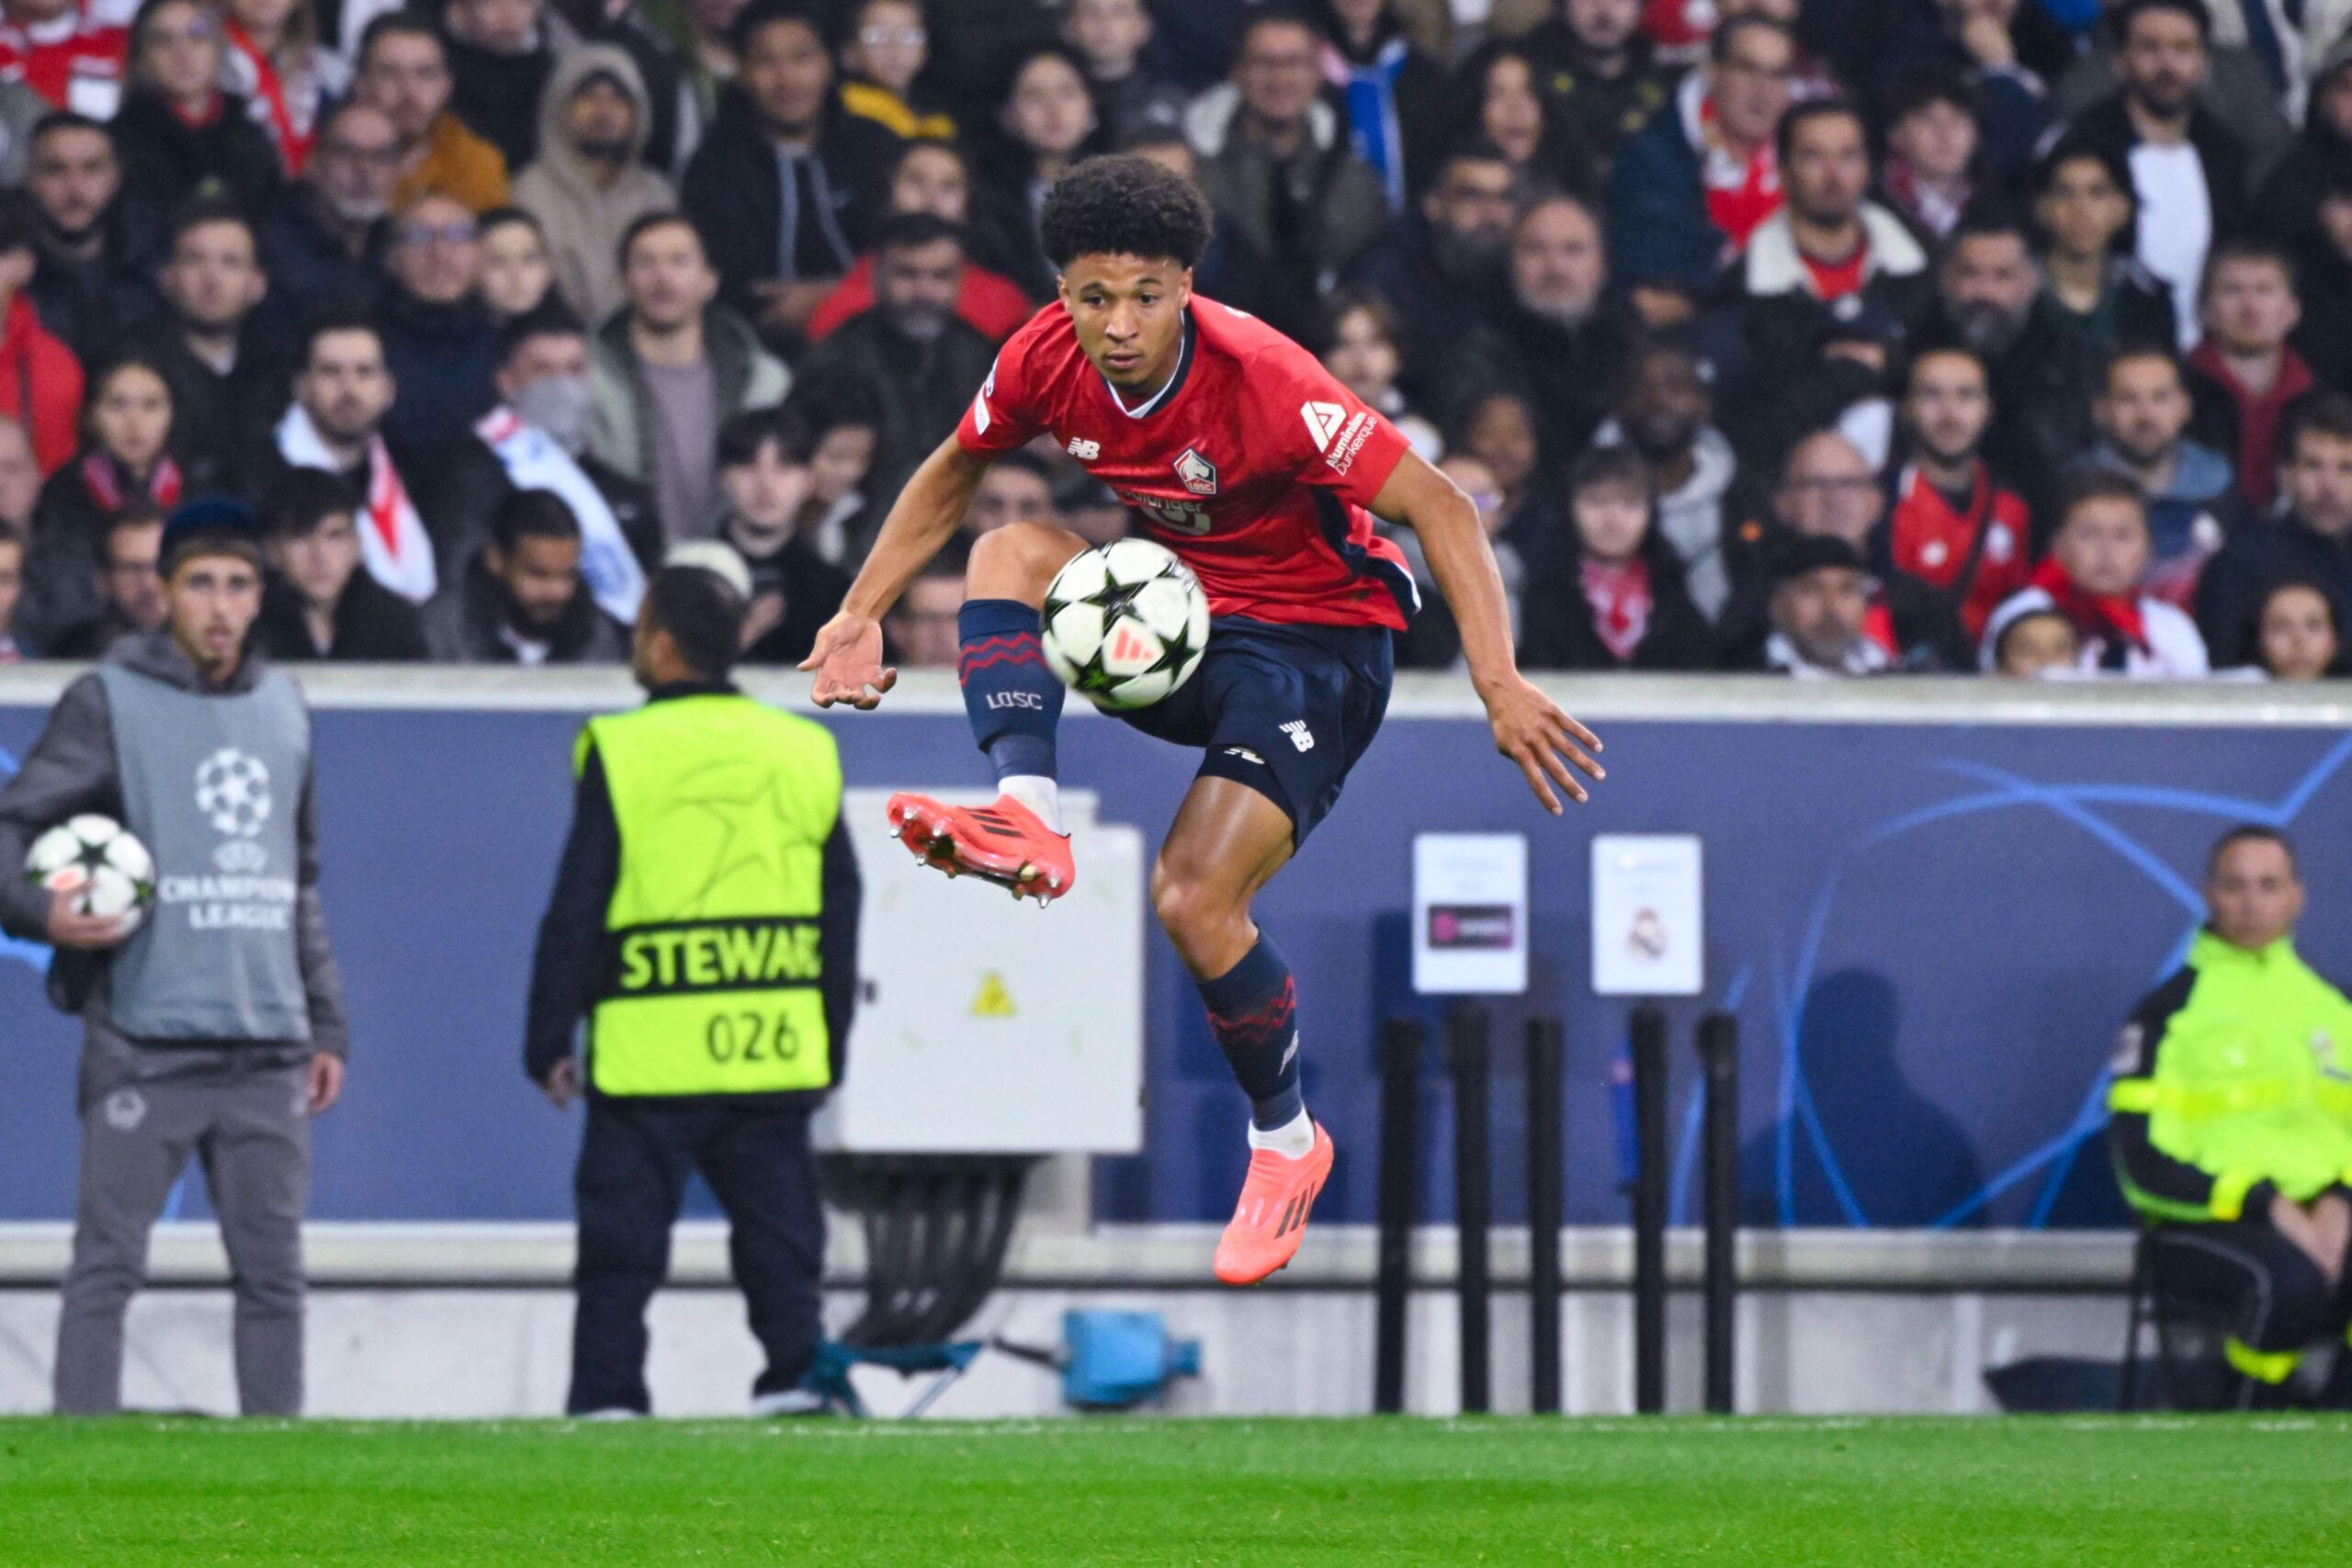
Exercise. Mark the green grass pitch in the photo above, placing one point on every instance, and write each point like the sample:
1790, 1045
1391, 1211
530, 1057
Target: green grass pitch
2244, 1490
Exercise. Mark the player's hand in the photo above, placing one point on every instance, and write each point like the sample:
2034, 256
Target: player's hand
323, 1083
69, 927
1532, 730
562, 1086
848, 662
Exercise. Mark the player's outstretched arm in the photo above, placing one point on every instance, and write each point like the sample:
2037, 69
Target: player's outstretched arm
847, 657
1530, 728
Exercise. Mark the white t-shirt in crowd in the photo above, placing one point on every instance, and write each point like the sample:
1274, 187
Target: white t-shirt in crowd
2176, 224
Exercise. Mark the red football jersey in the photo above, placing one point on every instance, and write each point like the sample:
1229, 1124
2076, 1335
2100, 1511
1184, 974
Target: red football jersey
73, 62
1254, 465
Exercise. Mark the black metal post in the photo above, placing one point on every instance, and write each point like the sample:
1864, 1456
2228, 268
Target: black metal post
1545, 1207
1719, 1054
1649, 1210
1466, 1027
1400, 1111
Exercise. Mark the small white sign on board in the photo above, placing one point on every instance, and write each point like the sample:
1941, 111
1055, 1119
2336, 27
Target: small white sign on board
1470, 914
1650, 931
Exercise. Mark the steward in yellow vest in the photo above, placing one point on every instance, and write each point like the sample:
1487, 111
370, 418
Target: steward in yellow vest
2225, 1128
704, 924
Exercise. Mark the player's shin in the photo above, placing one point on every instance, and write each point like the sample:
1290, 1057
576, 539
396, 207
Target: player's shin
1253, 1012
1014, 700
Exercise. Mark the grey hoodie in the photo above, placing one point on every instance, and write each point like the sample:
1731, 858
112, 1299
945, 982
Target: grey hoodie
72, 769
584, 221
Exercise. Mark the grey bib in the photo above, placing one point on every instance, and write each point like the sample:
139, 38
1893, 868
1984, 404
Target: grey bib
212, 784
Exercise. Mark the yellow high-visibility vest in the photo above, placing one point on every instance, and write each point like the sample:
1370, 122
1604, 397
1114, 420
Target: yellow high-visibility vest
724, 805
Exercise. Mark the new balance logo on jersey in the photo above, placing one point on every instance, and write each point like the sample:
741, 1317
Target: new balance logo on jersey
1296, 730
1083, 450
1323, 423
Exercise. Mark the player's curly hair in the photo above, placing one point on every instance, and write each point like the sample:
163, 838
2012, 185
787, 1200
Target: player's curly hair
1123, 206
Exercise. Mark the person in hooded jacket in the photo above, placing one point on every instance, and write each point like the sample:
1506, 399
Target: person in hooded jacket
588, 185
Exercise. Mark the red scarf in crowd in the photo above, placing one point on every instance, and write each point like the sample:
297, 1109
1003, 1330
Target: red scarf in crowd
2108, 617
101, 477
1737, 209
1619, 592
269, 92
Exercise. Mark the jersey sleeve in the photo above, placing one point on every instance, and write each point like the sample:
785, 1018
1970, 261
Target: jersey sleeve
1325, 436
1009, 409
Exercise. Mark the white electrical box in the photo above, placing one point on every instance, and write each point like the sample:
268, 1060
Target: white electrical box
987, 1025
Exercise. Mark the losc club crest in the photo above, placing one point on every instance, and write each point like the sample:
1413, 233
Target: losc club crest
233, 790
1197, 472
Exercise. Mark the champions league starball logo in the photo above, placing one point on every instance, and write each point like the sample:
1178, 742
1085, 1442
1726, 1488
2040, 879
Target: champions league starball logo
233, 790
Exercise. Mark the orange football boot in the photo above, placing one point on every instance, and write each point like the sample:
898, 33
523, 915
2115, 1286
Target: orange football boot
1004, 843
1271, 1220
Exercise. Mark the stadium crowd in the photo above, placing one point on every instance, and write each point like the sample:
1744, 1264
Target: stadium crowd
1826, 336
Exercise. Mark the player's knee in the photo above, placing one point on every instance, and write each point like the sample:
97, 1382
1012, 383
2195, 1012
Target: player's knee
1016, 562
1193, 914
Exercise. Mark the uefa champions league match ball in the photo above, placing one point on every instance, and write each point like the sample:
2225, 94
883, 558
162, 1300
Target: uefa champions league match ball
100, 859
1126, 624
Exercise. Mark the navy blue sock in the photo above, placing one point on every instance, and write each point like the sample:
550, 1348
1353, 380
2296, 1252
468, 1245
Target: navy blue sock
1013, 698
1253, 1012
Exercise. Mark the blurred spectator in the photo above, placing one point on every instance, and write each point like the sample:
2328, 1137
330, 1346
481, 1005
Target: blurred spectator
323, 244
126, 588
1932, 147
1818, 610
2083, 205
669, 368
2298, 637
1047, 122
920, 628
883, 56
911, 347
125, 457
1358, 345
403, 75
536, 433
1538, 137
521, 600
518, 274
2323, 264
1498, 433
342, 391
1017, 487
2142, 413
1953, 525
2310, 541
1110, 37
228, 382
439, 340
764, 466
13, 648
1685, 194
1829, 490
843, 416
2287, 205
785, 182
272, 58
2243, 378
1989, 47
673, 115
1593, 56
700, 33
1437, 266
1281, 177
500, 61
1395, 100
932, 177
2233, 87
1549, 339
1434, 641
1613, 599
1665, 417
1092, 510
40, 379
71, 57
21, 109
2036, 643
94, 241
2188, 170
317, 604
589, 184
177, 133
20, 477
2092, 577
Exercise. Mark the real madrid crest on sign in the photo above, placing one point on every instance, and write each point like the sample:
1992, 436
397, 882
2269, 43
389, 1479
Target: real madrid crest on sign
1197, 472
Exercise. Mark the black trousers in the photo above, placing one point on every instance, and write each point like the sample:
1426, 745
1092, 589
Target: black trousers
2249, 1274
634, 1160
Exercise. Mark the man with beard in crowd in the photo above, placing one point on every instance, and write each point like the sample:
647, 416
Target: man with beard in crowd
92, 247
2143, 412
1437, 264
1593, 56
228, 386
521, 600
324, 244
1665, 417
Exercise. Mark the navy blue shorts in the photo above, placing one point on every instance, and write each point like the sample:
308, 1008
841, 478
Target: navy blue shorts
1286, 710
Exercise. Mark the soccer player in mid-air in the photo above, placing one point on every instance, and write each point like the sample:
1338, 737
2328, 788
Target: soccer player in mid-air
1241, 454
